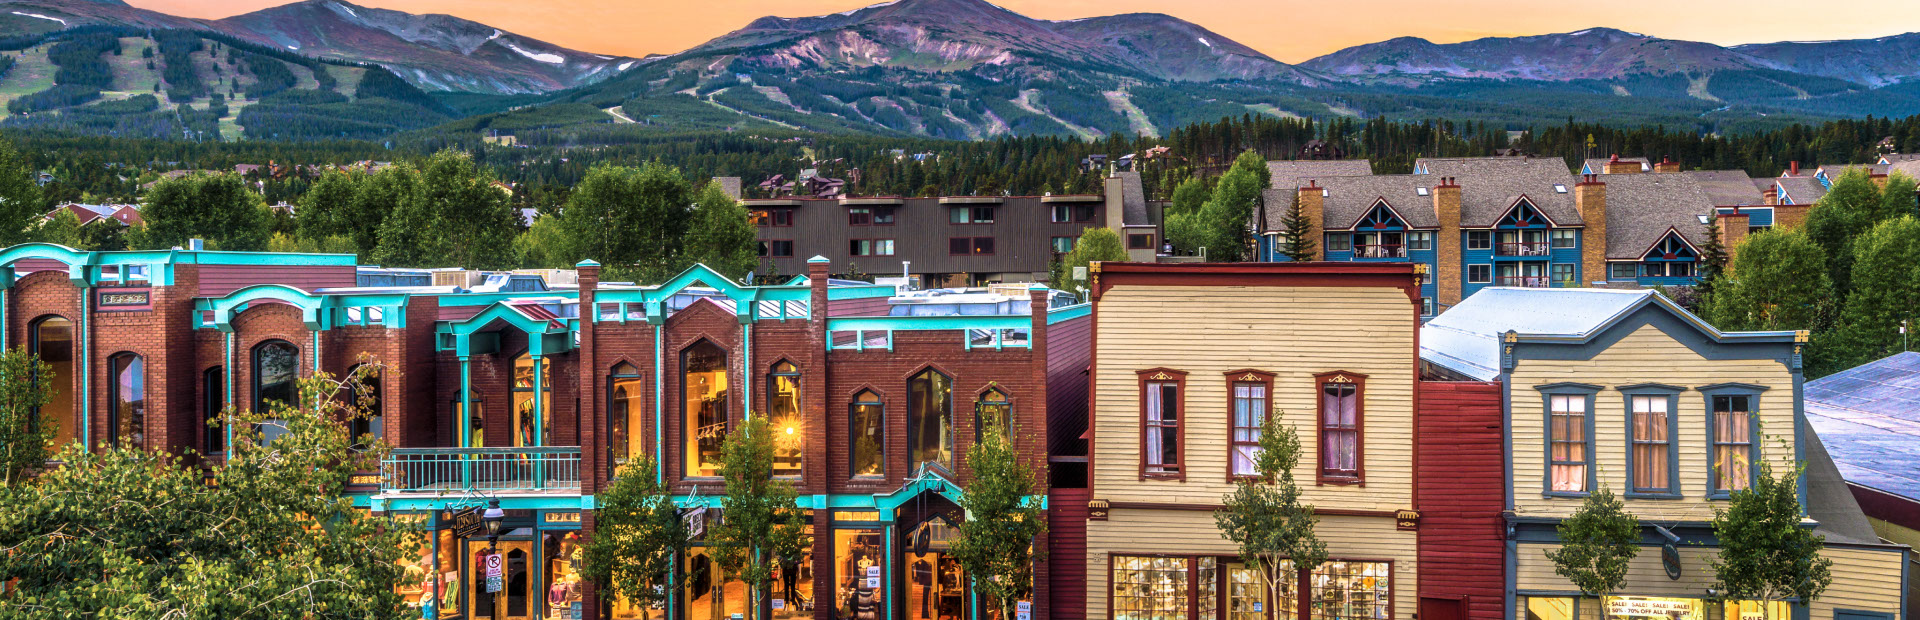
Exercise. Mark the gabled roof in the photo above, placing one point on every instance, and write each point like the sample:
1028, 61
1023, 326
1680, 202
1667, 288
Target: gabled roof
1909, 167
1800, 190
1290, 173
1350, 198
1489, 186
1641, 208
1598, 165
1869, 416
1466, 338
1727, 188
1133, 200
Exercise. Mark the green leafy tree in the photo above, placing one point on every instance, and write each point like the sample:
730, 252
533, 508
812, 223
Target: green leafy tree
1779, 281
26, 439
1095, 245
378, 197
475, 212
219, 208
637, 536
1225, 220
1886, 292
1766, 552
761, 525
1897, 198
721, 235
327, 209
1266, 517
543, 246
997, 542
1597, 544
633, 220
125, 532
20, 200
1182, 216
1845, 212
63, 228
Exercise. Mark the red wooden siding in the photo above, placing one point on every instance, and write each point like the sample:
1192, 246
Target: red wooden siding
1460, 495
218, 280
1069, 352
1067, 552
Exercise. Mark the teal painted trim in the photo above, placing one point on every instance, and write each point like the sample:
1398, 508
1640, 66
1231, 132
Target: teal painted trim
1069, 313
228, 380
363, 501
746, 364
86, 368
927, 323
507, 502
502, 313
542, 337
485, 299
316, 351
539, 400
659, 401
466, 401
838, 293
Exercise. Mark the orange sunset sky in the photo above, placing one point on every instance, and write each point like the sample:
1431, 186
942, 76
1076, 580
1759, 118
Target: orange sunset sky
1288, 30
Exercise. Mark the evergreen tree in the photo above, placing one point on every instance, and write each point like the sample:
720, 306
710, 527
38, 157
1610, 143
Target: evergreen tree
216, 207
720, 235
1597, 544
1297, 241
1778, 282
999, 542
1713, 263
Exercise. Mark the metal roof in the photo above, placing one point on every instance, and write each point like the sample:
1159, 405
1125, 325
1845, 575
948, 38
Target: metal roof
1466, 338
1869, 416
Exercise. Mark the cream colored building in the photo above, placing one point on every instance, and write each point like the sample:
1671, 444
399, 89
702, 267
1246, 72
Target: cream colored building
1624, 389
1188, 358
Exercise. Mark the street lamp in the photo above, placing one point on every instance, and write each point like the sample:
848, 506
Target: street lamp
492, 517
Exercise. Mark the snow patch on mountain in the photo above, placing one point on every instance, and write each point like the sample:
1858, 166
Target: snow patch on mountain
62, 21
870, 6
1203, 41
552, 59
346, 8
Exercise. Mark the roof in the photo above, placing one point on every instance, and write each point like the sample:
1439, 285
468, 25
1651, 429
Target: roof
1287, 173
1833, 173
1895, 158
1466, 338
1598, 165
1829, 501
1350, 198
1133, 199
1870, 417
1489, 186
1800, 190
1641, 208
1909, 167
1727, 188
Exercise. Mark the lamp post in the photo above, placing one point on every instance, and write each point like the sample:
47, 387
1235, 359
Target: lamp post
493, 518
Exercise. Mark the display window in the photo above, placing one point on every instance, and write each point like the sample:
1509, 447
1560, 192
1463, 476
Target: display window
447, 567
704, 396
1150, 588
859, 564
1166, 587
564, 555
936, 585
1352, 591
793, 586
419, 582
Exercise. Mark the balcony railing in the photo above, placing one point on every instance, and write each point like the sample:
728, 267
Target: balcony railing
495, 470
1532, 282
1529, 248
1380, 250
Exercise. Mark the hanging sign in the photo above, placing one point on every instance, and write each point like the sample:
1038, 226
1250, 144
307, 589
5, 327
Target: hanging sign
466, 522
1670, 560
493, 573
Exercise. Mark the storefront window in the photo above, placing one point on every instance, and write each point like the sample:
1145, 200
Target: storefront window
1206, 587
1247, 594
703, 390
859, 566
1351, 591
1657, 608
783, 408
127, 420
930, 419
709, 594
865, 424
936, 585
793, 585
419, 582
448, 567
52, 341
1755, 610
1149, 588
624, 413
564, 590
524, 422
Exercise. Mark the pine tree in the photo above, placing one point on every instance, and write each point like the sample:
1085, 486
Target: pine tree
1296, 240
1713, 262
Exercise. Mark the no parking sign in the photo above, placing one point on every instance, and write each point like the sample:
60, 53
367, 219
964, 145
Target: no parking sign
493, 573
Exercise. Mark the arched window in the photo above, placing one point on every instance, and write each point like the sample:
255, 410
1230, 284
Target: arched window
365, 427
127, 400
783, 408
51, 339
866, 425
930, 419
476, 431
992, 411
523, 401
276, 365
213, 399
625, 411
703, 398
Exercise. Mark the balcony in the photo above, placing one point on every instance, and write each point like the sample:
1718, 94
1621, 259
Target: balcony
1380, 250
1529, 248
1532, 282
554, 470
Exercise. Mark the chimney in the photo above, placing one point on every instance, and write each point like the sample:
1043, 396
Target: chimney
1590, 199
1666, 165
1771, 197
1446, 207
1116, 207
1313, 203
817, 280
1616, 166
1734, 228
1793, 169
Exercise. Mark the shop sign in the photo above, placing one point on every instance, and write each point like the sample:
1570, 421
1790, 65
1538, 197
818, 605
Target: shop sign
576, 611
1406, 520
120, 299
697, 522
467, 522
1650, 607
779, 603
493, 572
365, 479
562, 517
1670, 560
1097, 510
1023, 610
873, 577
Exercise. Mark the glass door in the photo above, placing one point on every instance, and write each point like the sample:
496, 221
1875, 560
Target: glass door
936, 585
511, 602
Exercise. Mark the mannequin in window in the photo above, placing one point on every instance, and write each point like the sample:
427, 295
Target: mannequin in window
923, 579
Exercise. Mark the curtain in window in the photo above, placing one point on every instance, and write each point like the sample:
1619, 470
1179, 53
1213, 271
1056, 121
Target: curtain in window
1163, 427
1249, 411
1732, 443
1650, 443
1568, 434
1340, 429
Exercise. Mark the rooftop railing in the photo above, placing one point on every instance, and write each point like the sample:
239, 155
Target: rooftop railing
494, 470
1525, 248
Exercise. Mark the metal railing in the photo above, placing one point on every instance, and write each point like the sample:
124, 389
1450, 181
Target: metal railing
1380, 250
1528, 281
432, 470
1526, 248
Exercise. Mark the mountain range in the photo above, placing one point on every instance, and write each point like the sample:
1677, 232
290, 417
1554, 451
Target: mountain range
969, 69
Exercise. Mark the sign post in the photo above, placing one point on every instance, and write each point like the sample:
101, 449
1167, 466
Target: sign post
493, 573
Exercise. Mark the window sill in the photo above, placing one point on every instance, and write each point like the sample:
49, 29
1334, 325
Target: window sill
1651, 495
1565, 494
1167, 476
1720, 495
1344, 481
